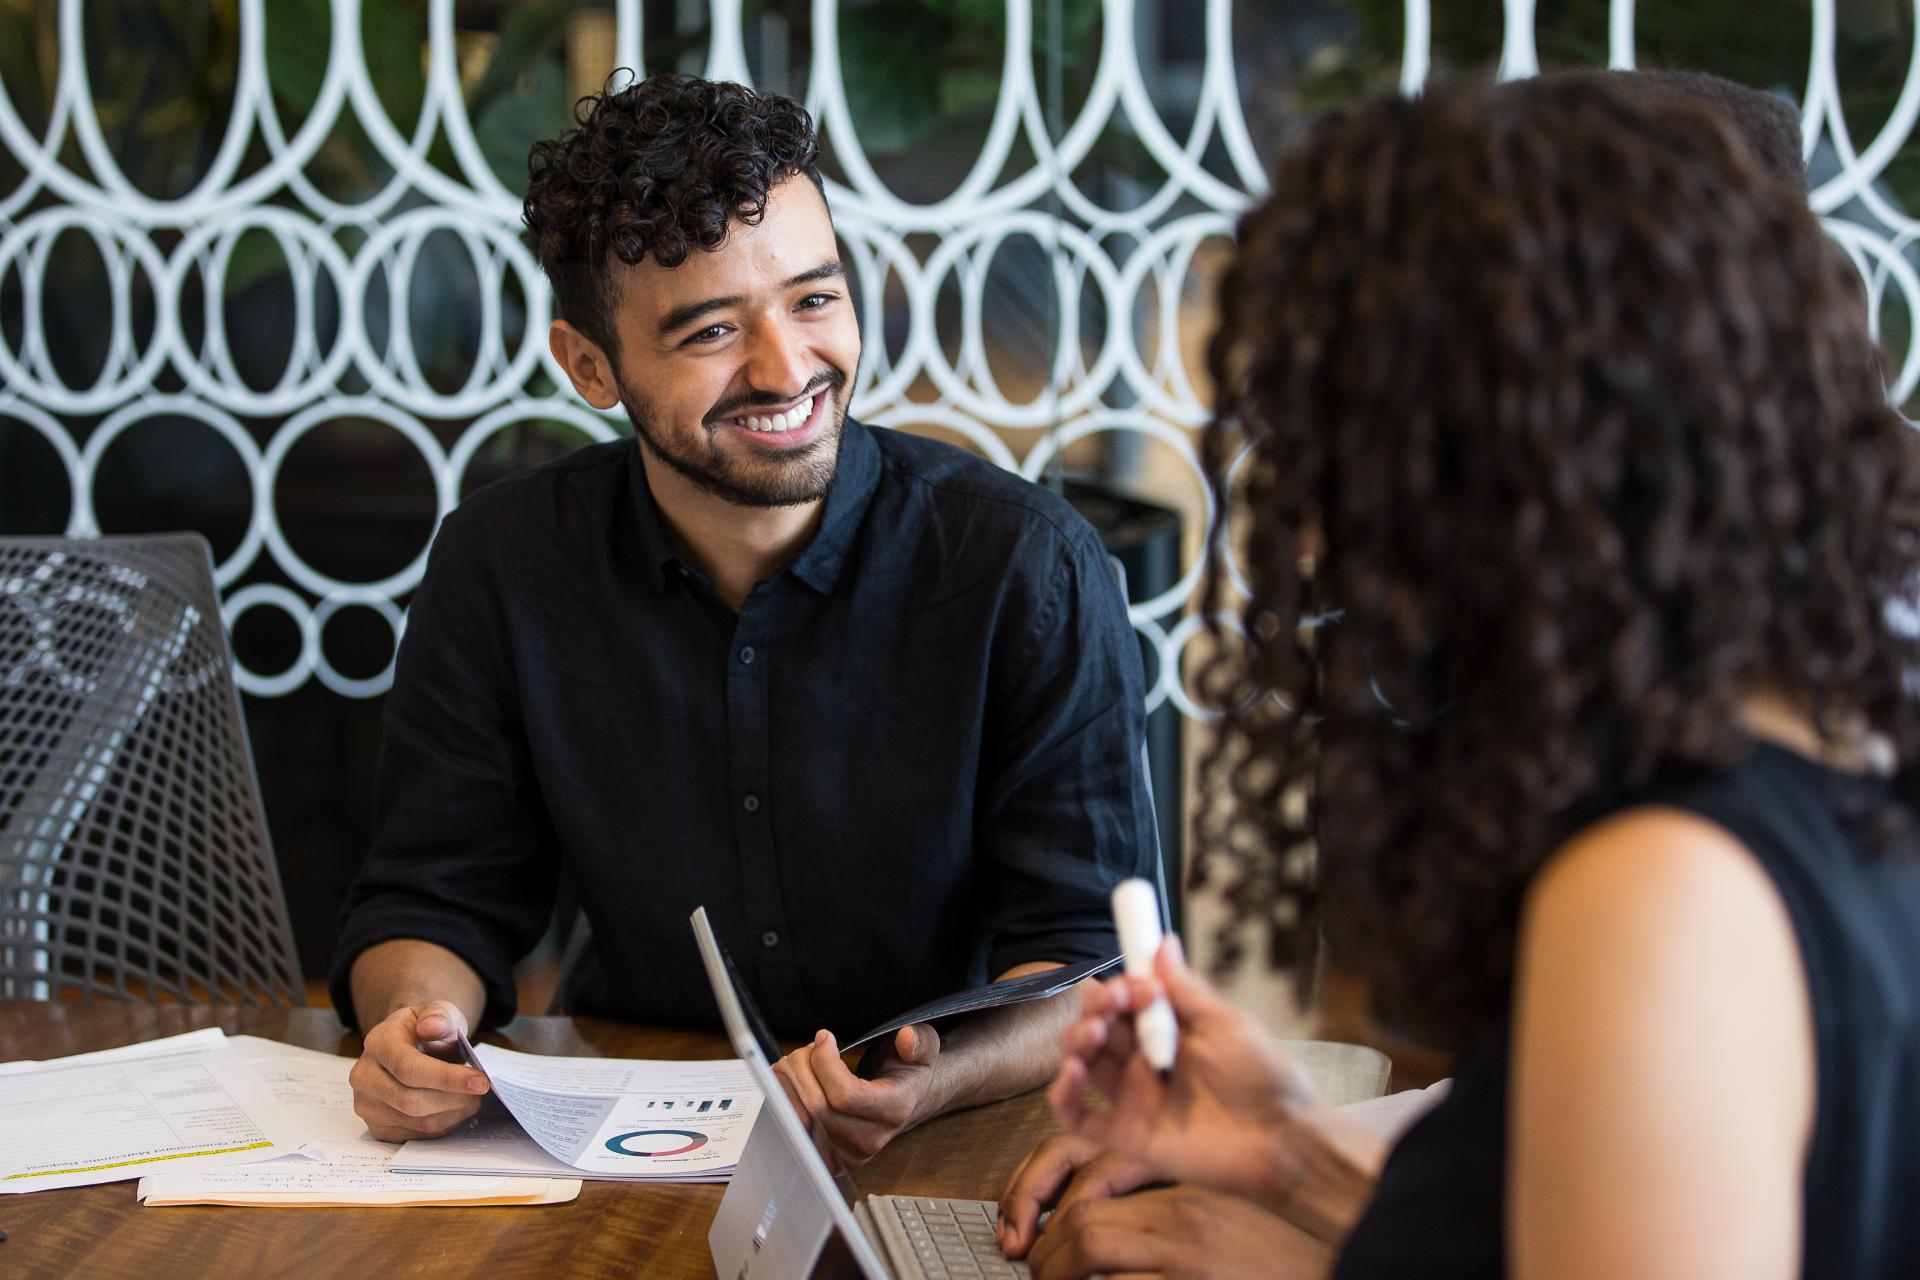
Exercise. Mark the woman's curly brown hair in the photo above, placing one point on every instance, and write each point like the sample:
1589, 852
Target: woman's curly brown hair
659, 167
1576, 408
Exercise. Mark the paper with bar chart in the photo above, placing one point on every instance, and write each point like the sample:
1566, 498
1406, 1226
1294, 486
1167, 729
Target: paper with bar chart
613, 1118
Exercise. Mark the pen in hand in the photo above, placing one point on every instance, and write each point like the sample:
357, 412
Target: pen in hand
1136, 917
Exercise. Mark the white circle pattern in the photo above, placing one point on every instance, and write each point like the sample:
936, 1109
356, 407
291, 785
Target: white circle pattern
364, 255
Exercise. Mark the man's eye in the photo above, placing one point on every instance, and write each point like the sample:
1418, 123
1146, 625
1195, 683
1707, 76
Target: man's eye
712, 333
814, 301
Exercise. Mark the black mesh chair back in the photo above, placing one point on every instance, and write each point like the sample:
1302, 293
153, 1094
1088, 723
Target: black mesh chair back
134, 860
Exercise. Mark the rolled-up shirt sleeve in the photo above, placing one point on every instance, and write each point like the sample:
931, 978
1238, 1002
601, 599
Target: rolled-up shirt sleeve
1065, 809
462, 854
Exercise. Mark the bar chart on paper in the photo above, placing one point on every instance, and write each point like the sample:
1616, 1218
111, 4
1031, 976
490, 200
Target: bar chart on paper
691, 1106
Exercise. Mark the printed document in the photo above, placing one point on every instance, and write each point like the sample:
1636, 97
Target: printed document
340, 1163
206, 1040
118, 1114
335, 1175
615, 1118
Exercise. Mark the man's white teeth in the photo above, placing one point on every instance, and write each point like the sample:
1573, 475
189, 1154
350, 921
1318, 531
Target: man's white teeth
782, 421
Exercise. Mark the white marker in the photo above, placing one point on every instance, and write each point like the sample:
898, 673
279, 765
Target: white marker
1136, 915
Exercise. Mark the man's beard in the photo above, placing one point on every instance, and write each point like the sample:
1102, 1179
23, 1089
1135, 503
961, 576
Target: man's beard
778, 480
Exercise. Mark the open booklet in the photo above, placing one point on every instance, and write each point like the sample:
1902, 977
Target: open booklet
626, 1119
995, 995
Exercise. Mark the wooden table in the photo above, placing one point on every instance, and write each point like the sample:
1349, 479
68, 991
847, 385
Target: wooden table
613, 1228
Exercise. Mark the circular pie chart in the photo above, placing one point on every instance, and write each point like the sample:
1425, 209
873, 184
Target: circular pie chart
656, 1142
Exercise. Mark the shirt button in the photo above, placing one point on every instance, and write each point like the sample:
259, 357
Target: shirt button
751, 804
769, 939
746, 655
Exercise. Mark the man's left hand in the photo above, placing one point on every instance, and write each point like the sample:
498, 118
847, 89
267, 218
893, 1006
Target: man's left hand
853, 1116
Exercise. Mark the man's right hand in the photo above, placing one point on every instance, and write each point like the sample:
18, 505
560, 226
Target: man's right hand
403, 1087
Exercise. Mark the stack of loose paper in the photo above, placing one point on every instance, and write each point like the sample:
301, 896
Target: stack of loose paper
338, 1162
614, 1118
186, 1102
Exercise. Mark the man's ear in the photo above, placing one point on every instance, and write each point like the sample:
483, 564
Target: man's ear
586, 364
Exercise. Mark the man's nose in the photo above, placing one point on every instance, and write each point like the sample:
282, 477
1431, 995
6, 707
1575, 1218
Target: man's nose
777, 362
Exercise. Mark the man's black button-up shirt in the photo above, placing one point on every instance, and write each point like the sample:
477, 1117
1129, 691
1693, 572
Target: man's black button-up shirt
908, 764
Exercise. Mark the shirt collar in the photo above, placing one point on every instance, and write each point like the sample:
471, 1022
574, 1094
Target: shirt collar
855, 476
656, 548
854, 480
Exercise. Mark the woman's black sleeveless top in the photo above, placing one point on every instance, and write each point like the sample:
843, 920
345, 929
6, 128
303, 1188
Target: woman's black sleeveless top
1439, 1207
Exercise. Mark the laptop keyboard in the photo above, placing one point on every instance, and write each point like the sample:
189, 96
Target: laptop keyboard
951, 1239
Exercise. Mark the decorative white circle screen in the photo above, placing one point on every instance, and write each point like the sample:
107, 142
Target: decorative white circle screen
1041, 298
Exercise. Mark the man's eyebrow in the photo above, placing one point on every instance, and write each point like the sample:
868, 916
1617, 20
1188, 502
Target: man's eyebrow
682, 316
831, 270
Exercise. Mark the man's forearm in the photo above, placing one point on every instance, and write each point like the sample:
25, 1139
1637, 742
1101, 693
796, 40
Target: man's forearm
404, 972
1001, 1052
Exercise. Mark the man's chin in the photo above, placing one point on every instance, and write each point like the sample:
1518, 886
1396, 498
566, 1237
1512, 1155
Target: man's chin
764, 483
774, 478
786, 490
758, 476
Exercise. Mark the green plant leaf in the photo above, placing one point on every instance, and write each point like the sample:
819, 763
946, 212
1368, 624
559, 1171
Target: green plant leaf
512, 123
393, 34
298, 37
534, 34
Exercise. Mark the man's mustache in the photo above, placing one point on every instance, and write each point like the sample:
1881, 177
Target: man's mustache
830, 378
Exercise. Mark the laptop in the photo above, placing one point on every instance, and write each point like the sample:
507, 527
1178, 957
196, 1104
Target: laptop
786, 1216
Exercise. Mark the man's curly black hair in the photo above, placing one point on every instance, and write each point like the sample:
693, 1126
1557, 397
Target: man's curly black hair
1576, 406
658, 167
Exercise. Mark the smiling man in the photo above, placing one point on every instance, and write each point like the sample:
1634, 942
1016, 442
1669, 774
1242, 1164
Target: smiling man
872, 701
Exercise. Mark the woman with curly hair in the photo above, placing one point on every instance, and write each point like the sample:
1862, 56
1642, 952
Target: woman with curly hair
1602, 774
